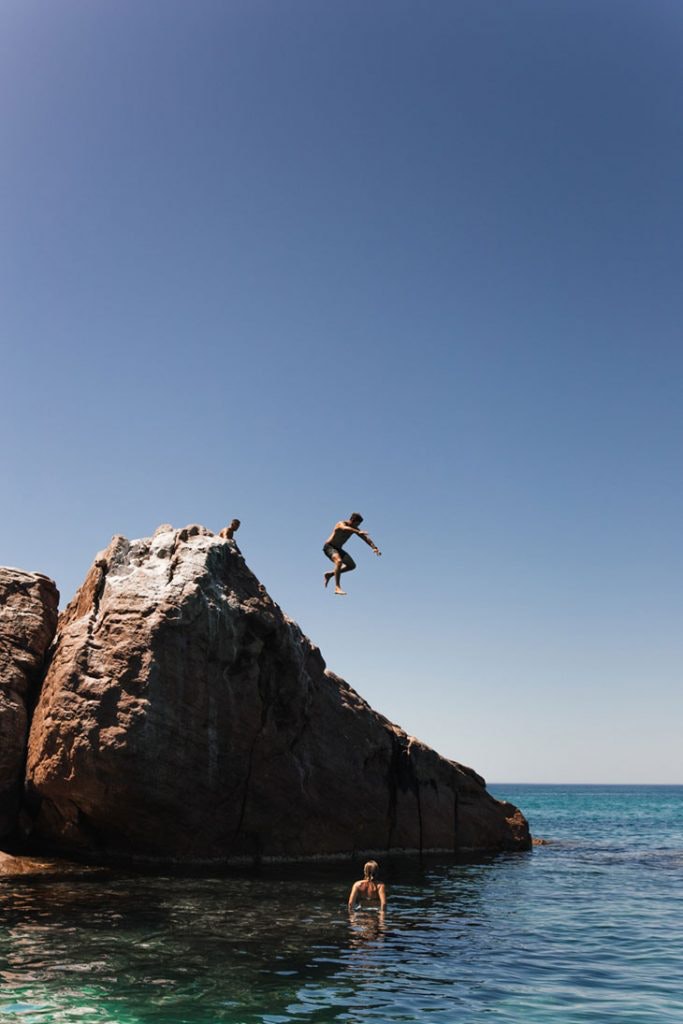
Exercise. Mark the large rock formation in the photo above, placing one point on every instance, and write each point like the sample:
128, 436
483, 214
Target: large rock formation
28, 618
185, 717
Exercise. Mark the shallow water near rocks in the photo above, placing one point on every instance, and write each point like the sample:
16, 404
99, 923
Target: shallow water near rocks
586, 929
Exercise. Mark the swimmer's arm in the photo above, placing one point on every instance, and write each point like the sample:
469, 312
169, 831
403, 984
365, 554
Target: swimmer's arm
381, 892
353, 895
368, 540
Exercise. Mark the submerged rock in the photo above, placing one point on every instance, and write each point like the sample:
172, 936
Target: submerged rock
28, 618
184, 717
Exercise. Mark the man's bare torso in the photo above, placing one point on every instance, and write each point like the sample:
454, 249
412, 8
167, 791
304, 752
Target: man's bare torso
339, 535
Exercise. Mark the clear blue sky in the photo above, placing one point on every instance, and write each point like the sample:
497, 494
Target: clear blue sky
285, 260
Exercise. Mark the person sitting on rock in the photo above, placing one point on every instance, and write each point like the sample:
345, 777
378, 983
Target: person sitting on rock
368, 890
335, 552
228, 531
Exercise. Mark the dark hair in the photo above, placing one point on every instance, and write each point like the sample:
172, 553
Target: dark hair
357, 516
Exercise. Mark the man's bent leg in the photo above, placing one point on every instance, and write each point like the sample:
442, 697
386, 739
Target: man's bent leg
338, 570
333, 554
346, 564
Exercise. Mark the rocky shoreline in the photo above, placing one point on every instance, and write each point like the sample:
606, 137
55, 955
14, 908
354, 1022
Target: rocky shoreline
174, 713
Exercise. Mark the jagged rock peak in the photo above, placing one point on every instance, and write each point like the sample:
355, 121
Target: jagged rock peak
184, 717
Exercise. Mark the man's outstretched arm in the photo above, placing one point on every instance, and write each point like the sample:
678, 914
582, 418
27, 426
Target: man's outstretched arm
368, 540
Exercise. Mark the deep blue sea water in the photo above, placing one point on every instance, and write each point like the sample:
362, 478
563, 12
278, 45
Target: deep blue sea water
585, 930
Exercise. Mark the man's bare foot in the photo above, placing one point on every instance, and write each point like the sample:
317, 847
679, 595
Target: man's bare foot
338, 590
327, 576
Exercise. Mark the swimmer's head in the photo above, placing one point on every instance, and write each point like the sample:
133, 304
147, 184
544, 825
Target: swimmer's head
371, 869
356, 518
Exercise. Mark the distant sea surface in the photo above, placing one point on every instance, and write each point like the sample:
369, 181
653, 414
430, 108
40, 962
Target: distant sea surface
585, 930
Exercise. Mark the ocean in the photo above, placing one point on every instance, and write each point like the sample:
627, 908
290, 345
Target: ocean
587, 929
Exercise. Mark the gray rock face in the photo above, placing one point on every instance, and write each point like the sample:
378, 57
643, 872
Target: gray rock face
184, 717
28, 618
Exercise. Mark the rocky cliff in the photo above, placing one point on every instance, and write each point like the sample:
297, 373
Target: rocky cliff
28, 617
184, 717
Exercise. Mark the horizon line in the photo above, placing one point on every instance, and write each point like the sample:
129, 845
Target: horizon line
622, 784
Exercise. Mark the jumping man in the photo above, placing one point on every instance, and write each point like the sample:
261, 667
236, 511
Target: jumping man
335, 552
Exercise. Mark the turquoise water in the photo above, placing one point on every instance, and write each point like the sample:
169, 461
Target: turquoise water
588, 929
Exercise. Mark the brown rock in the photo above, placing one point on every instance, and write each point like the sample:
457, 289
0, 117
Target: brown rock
28, 617
185, 717
32, 867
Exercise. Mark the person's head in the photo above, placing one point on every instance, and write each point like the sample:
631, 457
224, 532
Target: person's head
235, 524
370, 870
355, 519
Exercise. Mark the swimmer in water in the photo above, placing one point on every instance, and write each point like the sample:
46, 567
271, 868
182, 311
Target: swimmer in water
367, 890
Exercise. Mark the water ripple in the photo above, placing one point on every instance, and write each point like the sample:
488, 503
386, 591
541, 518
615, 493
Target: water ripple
579, 932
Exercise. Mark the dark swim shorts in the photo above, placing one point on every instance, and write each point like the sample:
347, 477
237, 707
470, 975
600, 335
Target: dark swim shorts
331, 551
